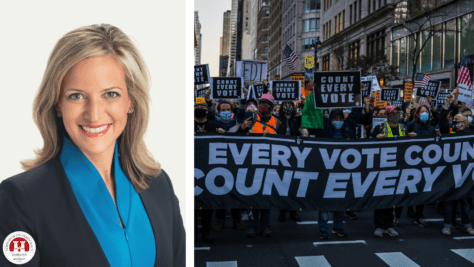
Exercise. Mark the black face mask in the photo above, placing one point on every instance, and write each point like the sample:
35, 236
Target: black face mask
456, 125
234, 110
199, 113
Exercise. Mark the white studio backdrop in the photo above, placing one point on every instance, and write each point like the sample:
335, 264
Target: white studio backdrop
29, 31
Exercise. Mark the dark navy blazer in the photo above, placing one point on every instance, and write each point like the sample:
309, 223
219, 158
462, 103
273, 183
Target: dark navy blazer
41, 203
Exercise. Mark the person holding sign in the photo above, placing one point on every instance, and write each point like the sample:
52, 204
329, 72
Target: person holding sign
459, 125
383, 218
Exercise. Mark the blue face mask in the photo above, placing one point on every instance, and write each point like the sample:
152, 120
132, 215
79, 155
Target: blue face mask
337, 124
424, 116
226, 115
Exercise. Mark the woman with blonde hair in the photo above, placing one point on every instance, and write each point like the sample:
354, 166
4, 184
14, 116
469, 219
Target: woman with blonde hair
94, 195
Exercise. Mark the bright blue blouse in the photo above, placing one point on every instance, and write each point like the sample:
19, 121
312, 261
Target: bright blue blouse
133, 245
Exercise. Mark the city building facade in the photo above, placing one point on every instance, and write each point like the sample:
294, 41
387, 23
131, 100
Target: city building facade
197, 30
263, 26
224, 45
274, 62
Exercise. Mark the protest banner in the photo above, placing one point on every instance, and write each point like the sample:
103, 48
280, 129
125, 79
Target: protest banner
284, 172
286, 90
407, 91
389, 94
431, 89
255, 91
337, 89
397, 103
226, 87
367, 92
373, 80
252, 70
377, 121
201, 92
201, 74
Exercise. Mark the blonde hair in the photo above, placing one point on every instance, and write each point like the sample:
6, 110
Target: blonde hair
85, 42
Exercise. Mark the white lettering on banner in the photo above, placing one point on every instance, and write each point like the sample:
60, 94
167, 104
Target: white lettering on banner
459, 176
305, 178
239, 158
214, 153
404, 182
256, 185
370, 152
467, 149
457, 151
387, 154
283, 158
273, 179
333, 184
359, 187
301, 156
211, 181
384, 186
259, 152
431, 177
198, 174
329, 161
355, 154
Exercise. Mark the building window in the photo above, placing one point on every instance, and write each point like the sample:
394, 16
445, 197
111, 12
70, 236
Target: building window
369, 5
355, 11
311, 6
265, 50
266, 25
266, 38
310, 25
343, 19
307, 42
326, 63
267, 13
376, 43
354, 50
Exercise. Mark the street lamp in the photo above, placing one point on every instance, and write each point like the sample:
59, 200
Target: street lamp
314, 45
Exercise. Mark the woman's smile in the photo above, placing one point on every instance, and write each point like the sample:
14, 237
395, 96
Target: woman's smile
94, 130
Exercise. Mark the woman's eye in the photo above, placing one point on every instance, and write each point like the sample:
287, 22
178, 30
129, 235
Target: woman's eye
111, 94
75, 96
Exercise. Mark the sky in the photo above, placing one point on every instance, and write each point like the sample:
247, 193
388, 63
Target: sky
211, 16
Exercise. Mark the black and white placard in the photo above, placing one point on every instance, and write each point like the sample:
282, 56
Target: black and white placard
226, 87
337, 89
397, 103
255, 91
252, 70
367, 92
201, 92
286, 90
389, 94
201, 74
441, 100
430, 89
377, 121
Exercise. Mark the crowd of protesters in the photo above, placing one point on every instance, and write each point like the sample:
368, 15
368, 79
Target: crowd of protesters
267, 117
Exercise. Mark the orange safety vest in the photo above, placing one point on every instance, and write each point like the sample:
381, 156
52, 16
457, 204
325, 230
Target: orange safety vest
258, 127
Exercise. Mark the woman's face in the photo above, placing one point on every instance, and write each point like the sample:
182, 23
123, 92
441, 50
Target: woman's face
94, 104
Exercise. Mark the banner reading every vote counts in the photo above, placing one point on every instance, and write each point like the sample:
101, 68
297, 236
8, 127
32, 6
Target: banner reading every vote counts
242, 171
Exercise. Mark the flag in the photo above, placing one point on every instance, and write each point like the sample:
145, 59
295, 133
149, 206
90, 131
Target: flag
463, 77
421, 80
290, 57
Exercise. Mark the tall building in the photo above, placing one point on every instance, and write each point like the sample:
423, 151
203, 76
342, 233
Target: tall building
253, 27
197, 49
224, 45
235, 46
274, 62
247, 50
263, 26
300, 30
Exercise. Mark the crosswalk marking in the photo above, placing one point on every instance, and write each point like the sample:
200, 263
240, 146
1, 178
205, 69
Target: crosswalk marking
202, 248
468, 254
310, 261
222, 264
463, 237
395, 259
315, 222
339, 242
439, 220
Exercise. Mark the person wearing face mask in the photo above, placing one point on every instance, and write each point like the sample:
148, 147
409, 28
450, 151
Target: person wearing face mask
235, 107
459, 125
383, 218
289, 125
337, 127
447, 112
467, 111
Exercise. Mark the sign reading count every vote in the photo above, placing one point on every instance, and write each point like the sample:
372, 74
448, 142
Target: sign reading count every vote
337, 89
226, 87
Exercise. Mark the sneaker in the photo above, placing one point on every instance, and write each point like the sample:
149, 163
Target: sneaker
339, 232
390, 231
323, 235
446, 231
294, 217
218, 226
266, 233
238, 225
351, 215
469, 230
206, 236
378, 232
420, 222
251, 234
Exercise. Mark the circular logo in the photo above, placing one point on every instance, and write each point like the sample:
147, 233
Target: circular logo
19, 247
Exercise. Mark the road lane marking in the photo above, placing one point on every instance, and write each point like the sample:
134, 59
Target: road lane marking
468, 254
222, 264
315, 222
310, 261
202, 248
463, 237
339, 242
394, 259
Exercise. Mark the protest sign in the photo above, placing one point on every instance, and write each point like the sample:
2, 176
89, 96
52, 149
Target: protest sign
226, 87
255, 91
360, 131
373, 80
397, 103
201, 74
389, 94
377, 121
464, 93
367, 92
441, 100
337, 89
286, 90
381, 104
252, 70
201, 92
376, 95
240, 171
407, 91
431, 89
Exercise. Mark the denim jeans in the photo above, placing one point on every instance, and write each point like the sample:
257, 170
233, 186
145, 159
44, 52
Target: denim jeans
262, 216
448, 213
323, 220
